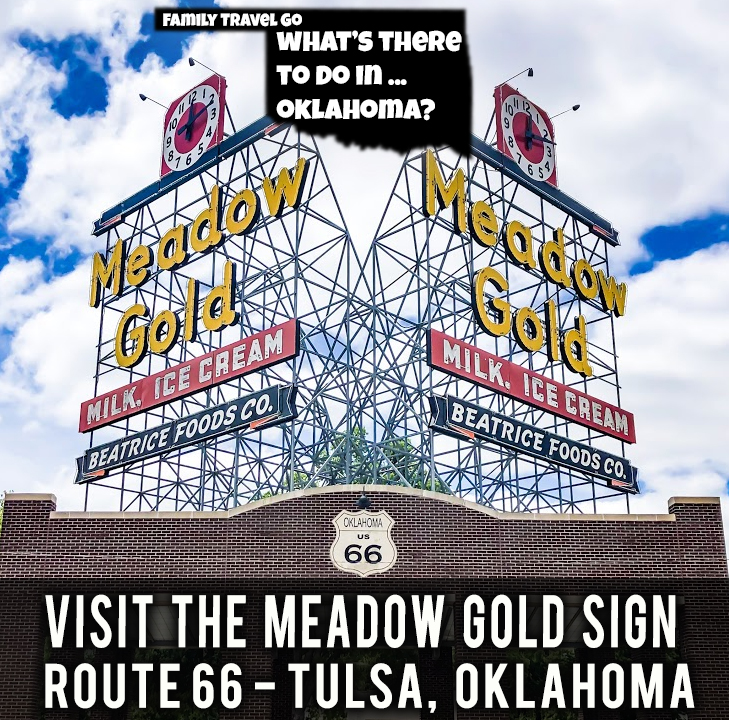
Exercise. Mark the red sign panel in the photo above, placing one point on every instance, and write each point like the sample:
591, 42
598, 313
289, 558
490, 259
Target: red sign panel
478, 366
525, 133
249, 354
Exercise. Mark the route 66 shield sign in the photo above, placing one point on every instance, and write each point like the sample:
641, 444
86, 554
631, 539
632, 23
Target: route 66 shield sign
364, 542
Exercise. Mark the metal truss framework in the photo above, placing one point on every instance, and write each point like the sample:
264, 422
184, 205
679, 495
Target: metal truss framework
298, 265
362, 376
420, 269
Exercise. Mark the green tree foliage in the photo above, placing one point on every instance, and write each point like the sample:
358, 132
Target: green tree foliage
395, 464
402, 467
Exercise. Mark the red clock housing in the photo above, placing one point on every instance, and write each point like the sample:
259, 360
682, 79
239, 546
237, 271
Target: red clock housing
525, 133
193, 124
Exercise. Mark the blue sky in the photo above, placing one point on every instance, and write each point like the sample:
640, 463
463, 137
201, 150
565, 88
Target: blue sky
168, 46
85, 64
75, 139
671, 242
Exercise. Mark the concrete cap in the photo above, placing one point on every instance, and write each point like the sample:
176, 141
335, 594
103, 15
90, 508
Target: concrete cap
694, 501
35, 497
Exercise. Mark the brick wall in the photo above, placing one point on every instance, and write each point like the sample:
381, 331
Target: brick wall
444, 545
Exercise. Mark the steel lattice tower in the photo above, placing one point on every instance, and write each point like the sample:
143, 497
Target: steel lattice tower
420, 270
299, 265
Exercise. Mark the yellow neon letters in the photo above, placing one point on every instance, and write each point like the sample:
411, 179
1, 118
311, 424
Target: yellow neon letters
495, 315
127, 266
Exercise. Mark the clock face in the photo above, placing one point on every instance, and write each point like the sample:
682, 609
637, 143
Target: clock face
525, 133
193, 124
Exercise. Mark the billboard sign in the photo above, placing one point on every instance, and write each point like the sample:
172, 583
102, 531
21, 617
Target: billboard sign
467, 361
458, 418
256, 411
249, 354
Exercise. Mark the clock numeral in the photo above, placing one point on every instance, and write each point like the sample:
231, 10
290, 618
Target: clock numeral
549, 151
188, 159
214, 113
511, 141
541, 174
510, 109
199, 149
506, 122
173, 124
168, 141
520, 158
169, 156
181, 108
177, 164
194, 97
530, 169
546, 166
209, 133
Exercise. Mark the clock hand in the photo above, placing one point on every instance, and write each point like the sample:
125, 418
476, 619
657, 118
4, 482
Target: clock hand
188, 132
183, 126
543, 139
200, 112
529, 134
189, 123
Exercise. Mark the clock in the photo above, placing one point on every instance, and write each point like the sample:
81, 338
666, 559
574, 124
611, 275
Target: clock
193, 125
525, 133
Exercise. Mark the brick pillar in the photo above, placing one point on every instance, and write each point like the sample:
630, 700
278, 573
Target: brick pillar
25, 523
21, 649
22, 541
700, 535
705, 636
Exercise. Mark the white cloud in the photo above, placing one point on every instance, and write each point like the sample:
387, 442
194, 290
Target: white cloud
637, 150
83, 165
114, 22
48, 370
25, 84
674, 351
18, 279
27, 80
46, 374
